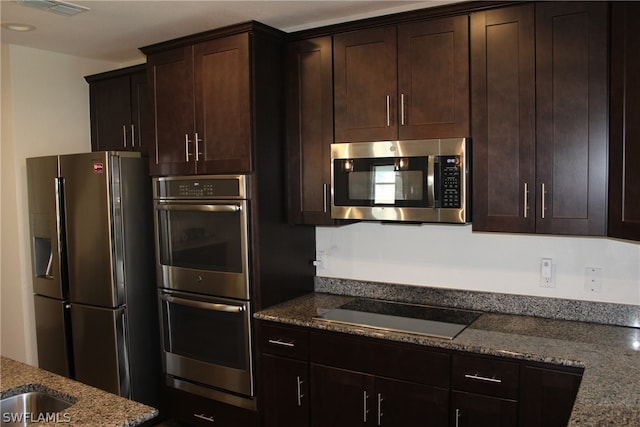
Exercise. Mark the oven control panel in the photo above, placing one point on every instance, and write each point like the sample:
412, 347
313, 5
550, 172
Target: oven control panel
201, 187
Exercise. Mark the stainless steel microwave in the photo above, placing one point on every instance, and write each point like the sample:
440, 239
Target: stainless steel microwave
413, 181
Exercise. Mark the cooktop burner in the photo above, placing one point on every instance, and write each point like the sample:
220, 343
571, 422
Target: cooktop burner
417, 319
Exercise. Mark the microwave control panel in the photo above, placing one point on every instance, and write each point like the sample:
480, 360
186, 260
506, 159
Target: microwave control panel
450, 182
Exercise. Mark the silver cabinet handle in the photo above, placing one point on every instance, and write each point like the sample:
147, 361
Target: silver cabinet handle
457, 417
204, 417
282, 343
324, 197
526, 200
388, 110
365, 409
186, 147
133, 135
380, 414
124, 136
197, 140
480, 378
544, 197
203, 305
300, 395
402, 122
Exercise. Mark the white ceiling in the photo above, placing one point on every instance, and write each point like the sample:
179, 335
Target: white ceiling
113, 30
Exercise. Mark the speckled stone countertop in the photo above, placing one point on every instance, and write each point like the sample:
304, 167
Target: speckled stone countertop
92, 407
609, 393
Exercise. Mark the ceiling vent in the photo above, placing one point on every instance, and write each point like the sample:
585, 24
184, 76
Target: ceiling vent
55, 6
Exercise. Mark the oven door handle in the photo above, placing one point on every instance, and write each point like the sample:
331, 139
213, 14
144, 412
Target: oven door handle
199, 207
203, 305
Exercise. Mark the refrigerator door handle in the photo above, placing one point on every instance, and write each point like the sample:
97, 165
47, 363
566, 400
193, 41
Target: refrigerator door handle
60, 232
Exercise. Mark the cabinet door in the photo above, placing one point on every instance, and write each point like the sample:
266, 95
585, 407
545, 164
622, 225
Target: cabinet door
624, 131
341, 398
547, 397
223, 105
309, 130
365, 85
140, 109
399, 403
110, 101
572, 107
433, 79
475, 410
170, 75
285, 392
503, 110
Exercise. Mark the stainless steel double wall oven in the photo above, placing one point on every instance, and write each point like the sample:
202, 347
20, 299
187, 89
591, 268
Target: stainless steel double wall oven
202, 252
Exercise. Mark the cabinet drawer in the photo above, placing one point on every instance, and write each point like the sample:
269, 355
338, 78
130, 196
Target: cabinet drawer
485, 376
200, 411
284, 341
380, 357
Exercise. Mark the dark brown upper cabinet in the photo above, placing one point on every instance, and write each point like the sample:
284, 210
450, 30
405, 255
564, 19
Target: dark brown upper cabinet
624, 130
119, 110
309, 98
203, 95
201, 99
539, 103
409, 81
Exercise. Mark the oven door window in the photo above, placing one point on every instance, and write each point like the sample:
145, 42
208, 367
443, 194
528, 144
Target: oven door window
214, 332
202, 237
381, 181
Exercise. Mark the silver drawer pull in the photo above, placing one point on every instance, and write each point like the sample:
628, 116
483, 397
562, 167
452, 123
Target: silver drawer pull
283, 343
204, 417
479, 378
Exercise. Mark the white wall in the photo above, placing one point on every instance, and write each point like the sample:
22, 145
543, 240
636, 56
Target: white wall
45, 110
454, 257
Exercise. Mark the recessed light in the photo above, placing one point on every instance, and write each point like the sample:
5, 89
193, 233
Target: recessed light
16, 26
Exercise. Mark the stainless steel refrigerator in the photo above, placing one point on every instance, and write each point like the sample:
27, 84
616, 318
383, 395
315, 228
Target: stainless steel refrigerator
93, 271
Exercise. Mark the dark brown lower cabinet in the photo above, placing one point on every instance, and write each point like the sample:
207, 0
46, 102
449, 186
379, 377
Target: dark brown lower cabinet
547, 396
340, 397
324, 379
476, 410
485, 391
412, 405
285, 392
347, 398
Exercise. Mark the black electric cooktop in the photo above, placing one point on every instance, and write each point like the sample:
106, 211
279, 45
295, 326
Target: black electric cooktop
416, 319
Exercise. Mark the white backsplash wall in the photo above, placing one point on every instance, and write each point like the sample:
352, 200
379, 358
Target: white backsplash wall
452, 256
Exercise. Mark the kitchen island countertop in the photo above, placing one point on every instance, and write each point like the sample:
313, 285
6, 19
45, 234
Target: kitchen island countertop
609, 393
92, 407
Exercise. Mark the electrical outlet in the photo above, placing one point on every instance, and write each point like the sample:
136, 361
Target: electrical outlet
546, 273
320, 260
593, 279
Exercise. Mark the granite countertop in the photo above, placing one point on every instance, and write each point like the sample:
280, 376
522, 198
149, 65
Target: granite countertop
609, 393
92, 407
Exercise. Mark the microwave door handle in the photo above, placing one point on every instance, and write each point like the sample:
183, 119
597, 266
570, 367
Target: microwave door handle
203, 305
431, 185
191, 207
